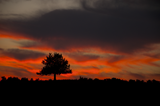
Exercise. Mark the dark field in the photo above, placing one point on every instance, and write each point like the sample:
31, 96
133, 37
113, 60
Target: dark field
83, 90
82, 83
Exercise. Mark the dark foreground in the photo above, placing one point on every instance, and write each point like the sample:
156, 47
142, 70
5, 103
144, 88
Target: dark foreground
81, 84
84, 89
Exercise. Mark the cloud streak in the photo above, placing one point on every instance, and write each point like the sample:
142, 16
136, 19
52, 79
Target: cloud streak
21, 54
81, 57
26, 9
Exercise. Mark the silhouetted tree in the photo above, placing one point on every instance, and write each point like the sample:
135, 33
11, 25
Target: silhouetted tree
24, 79
3, 78
37, 79
55, 65
31, 79
9, 79
90, 79
96, 79
16, 79
149, 82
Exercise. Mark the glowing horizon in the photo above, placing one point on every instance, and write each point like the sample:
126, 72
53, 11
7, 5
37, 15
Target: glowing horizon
101, 41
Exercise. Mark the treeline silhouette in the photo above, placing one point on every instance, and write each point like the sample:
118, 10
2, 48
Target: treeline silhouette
82, 88
113, 81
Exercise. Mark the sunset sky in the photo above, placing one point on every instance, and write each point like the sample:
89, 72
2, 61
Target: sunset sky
99, 38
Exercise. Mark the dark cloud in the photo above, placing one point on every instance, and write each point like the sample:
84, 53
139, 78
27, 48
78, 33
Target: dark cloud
128, 9
154, 76
15, 71
36, 66
22, 54
112, 59
103, 5
18, 72
89, 67
125, 29
137, 76
1, 49
82, 57
156, 55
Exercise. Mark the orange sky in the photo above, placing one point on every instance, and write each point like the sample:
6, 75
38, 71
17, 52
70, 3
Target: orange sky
129, 66
99, 39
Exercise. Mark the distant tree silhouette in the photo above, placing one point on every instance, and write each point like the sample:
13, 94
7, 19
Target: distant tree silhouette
31, 79
9, 79
37, 79
55, 65
96, 79
3, 78
90, 79
16, 79
24, 79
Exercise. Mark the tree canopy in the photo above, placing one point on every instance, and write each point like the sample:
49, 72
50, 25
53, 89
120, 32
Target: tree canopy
55, 65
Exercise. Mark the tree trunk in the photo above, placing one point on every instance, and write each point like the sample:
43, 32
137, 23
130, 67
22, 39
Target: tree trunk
54, 77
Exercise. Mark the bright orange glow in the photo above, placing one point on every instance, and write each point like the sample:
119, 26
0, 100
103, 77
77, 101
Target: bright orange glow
11, 62
13, 36
114, 67
109, 66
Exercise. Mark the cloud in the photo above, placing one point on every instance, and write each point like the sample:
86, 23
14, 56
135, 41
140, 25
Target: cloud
15, 71
155, 55
82, 57
22, 54
28, 43
112, 59
120, 30
18, 72
140, 4
137, 76
1, 49
26, 9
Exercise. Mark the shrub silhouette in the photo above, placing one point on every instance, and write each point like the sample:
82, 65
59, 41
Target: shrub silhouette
55, 65
3, 78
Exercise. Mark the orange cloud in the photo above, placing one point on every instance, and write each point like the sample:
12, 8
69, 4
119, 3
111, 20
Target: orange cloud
12, 36
111, 66
11, 62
